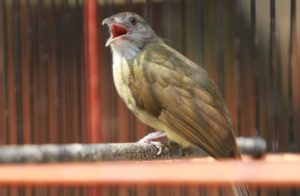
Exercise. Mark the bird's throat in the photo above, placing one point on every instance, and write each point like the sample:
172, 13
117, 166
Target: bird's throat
124, 49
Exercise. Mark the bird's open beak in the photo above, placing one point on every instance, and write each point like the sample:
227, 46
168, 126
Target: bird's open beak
116, 30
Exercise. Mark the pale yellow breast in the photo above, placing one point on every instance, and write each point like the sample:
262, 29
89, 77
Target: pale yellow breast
121, 75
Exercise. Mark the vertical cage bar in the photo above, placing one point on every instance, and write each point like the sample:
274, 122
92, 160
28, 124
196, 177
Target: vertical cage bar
92, 71
220, 46
69, 65
30, 68
294, 72
292, 62
239, 59
200, 5
54, 101
35, 83
18, 69
92, 76
45, 68
256, 64
272, 71
3, 76
183, 26
25, 76
79, 57
63, 70
11, 77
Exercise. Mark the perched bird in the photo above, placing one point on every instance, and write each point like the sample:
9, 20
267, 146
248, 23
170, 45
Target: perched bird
168, 92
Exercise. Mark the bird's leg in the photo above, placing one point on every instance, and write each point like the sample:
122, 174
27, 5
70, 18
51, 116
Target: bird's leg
151, 136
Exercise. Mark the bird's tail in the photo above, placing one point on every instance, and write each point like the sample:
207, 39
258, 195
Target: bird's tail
240, 189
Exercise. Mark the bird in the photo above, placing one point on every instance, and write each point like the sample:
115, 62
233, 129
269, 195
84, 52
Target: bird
169, 92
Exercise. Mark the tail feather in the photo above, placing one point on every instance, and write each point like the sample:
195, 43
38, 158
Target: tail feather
240, 189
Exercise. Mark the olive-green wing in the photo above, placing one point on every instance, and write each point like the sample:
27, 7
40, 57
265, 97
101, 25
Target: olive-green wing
171, 94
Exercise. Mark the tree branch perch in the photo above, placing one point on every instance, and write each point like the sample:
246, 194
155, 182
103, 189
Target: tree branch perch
113, 152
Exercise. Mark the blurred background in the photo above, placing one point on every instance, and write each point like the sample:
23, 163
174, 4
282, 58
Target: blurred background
249, 47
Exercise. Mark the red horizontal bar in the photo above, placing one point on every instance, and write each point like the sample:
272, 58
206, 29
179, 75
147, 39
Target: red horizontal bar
279, 170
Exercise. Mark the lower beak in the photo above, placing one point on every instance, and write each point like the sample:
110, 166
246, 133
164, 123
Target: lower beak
108, 42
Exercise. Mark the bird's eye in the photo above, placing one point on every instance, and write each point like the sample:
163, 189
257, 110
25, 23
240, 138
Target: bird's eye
133, 20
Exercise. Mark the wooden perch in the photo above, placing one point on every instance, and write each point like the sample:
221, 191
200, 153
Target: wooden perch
113, 152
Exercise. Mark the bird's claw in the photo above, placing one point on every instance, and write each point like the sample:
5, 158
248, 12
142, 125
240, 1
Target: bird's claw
150, 137
154, 143
157, 145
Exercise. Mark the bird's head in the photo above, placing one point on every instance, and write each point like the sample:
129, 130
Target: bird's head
129, 31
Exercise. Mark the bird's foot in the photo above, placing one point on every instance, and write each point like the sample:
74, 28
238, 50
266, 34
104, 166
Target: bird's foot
150, 137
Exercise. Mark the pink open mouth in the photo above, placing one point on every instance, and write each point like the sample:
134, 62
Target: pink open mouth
118, 30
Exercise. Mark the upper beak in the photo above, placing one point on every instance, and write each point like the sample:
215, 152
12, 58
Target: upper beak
107, 21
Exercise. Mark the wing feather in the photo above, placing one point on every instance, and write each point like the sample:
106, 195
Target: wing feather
182, 96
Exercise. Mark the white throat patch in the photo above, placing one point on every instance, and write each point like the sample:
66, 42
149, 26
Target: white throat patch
124, 49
